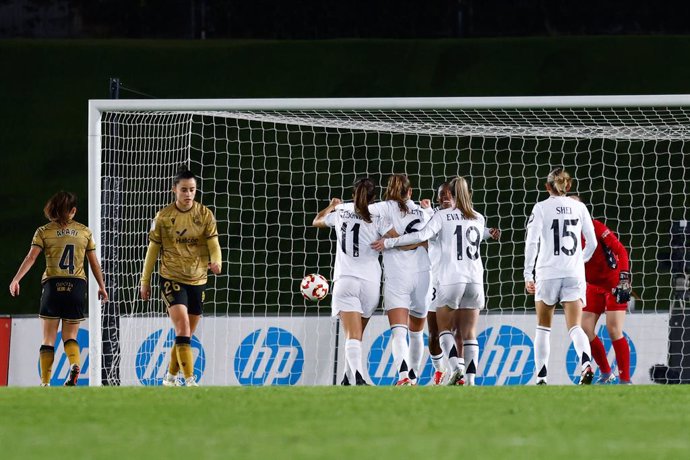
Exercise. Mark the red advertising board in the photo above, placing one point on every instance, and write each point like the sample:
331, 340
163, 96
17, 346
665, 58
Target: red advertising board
5, 329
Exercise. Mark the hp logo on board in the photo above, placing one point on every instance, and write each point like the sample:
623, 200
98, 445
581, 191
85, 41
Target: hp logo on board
573, 365
152, 358
380, 363
270, 356
61, 364
506, 357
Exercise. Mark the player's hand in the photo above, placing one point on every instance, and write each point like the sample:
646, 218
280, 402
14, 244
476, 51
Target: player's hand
215, 268
378, 245
530, 287
145, 292
624, 288
425, 203
495, 233
14, 288
335, 202
102, 295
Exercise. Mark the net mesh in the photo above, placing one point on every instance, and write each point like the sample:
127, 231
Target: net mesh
266, 174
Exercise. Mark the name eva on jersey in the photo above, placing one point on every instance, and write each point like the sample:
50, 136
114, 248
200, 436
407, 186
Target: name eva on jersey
456, 216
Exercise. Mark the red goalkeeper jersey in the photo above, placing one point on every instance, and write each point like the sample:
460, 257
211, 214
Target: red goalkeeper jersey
609, 259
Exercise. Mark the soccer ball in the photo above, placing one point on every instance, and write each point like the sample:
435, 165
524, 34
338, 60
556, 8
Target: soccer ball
314, 287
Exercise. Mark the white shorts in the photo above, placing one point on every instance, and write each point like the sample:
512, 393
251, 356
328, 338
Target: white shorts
557, 290
411, 291
434, 298
461, 295
355, 294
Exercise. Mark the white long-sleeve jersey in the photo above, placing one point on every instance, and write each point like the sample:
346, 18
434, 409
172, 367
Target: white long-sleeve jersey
554, 238
435, 249
459, 239
354, 255
398, 262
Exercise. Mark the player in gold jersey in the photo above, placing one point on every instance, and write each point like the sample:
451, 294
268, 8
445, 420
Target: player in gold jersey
65, 243
185, 234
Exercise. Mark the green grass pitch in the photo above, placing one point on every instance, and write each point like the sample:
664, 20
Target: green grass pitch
354, 423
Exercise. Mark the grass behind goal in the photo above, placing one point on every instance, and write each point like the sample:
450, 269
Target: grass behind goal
326, 422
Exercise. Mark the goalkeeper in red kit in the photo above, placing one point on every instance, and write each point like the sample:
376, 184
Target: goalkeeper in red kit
608, 291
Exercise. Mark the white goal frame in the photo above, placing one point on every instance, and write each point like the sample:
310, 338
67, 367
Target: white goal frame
98, 107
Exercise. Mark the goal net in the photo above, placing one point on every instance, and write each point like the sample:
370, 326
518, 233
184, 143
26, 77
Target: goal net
266, 167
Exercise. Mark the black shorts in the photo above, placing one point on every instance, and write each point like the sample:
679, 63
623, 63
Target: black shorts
63, 298
190, 296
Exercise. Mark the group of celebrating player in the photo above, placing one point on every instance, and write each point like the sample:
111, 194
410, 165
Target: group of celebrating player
433, 273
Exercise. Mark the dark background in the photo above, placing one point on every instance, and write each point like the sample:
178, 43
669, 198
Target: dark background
305, 49
324, 19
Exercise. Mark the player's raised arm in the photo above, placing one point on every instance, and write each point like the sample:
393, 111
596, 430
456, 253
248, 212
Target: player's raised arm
320, 219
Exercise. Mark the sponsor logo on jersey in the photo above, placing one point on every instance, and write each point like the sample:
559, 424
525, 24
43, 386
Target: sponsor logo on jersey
269, 356
574, 369
506, 357
380, 362
61, 364
153, 357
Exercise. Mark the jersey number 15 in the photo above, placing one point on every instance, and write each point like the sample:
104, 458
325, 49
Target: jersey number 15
557, 235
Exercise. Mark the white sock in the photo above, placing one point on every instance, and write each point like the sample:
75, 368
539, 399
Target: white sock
416, 351
447, 340
348, 371
437, 361
353, 354
581, 343
400, 350
542, 349
470, 350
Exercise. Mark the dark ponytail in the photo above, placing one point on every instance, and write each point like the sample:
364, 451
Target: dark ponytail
363, 194
183, 172
59, 207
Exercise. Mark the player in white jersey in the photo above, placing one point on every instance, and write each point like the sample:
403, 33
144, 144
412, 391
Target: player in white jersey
554, 238
460, 230
357, 271
407, 279
444, 200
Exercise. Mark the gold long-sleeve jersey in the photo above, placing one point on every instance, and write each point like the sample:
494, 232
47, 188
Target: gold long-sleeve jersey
64, 249
183, 237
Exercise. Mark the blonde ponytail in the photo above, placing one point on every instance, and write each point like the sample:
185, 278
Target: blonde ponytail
463, 199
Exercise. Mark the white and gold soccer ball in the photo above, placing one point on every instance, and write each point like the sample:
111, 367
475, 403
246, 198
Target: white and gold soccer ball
314, 287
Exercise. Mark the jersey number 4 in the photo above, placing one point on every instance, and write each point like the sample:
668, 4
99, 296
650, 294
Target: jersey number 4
557, 235
67, 259
355, 239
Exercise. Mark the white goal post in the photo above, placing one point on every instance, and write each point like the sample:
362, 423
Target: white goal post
266, 166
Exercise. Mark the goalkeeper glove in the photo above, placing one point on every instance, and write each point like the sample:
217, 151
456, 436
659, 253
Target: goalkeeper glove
624, 288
